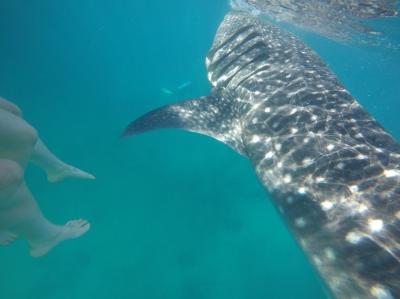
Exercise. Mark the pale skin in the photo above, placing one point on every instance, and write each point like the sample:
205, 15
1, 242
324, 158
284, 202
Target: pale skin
20, 216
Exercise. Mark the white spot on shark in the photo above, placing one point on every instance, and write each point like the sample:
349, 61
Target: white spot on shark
287, 179
354, 188
353, 237
302, 190
327, 205
330, 147
300, 222
389, 173
269, 155
375, 225
330, 254
380, 292
255, 139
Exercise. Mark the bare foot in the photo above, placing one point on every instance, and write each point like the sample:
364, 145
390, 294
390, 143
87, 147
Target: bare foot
71, 230
7, 237
68, 171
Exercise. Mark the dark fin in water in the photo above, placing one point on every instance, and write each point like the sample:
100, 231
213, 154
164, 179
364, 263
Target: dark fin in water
213, 115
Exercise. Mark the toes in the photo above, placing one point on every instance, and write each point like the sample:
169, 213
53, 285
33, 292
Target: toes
7, 242
7, 238
77, 223
90, 176
85, 225
81, 174
82, 223
76, 228
68, 171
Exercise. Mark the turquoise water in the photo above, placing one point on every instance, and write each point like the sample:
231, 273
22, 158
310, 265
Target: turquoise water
174, 214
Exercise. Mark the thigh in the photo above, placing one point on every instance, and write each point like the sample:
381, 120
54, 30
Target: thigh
11, 177
17, 137
10, 107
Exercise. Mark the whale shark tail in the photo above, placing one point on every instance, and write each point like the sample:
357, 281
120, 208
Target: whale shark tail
216, 115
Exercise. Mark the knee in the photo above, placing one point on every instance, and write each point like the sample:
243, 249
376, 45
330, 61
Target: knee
11, 107
11, 174
30, 135
26, 136
16, 133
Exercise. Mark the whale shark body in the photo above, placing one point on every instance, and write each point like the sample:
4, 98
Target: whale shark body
332, 171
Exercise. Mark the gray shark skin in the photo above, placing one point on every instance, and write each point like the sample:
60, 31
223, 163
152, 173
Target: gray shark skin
332, 170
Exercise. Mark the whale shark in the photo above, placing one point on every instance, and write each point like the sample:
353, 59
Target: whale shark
332, 170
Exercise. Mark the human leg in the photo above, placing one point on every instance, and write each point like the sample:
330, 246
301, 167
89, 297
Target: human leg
7, 237
56, 169
10, 107
17, 138
11, 176
19, 141
21, 217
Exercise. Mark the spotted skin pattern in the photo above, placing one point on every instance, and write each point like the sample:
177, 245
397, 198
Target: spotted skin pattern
332, 170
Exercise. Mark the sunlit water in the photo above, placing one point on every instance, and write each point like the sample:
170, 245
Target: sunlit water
174, 214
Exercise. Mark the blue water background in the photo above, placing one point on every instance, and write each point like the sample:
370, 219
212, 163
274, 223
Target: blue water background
174, 214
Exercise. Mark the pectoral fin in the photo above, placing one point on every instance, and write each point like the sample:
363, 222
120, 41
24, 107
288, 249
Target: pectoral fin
212, 115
